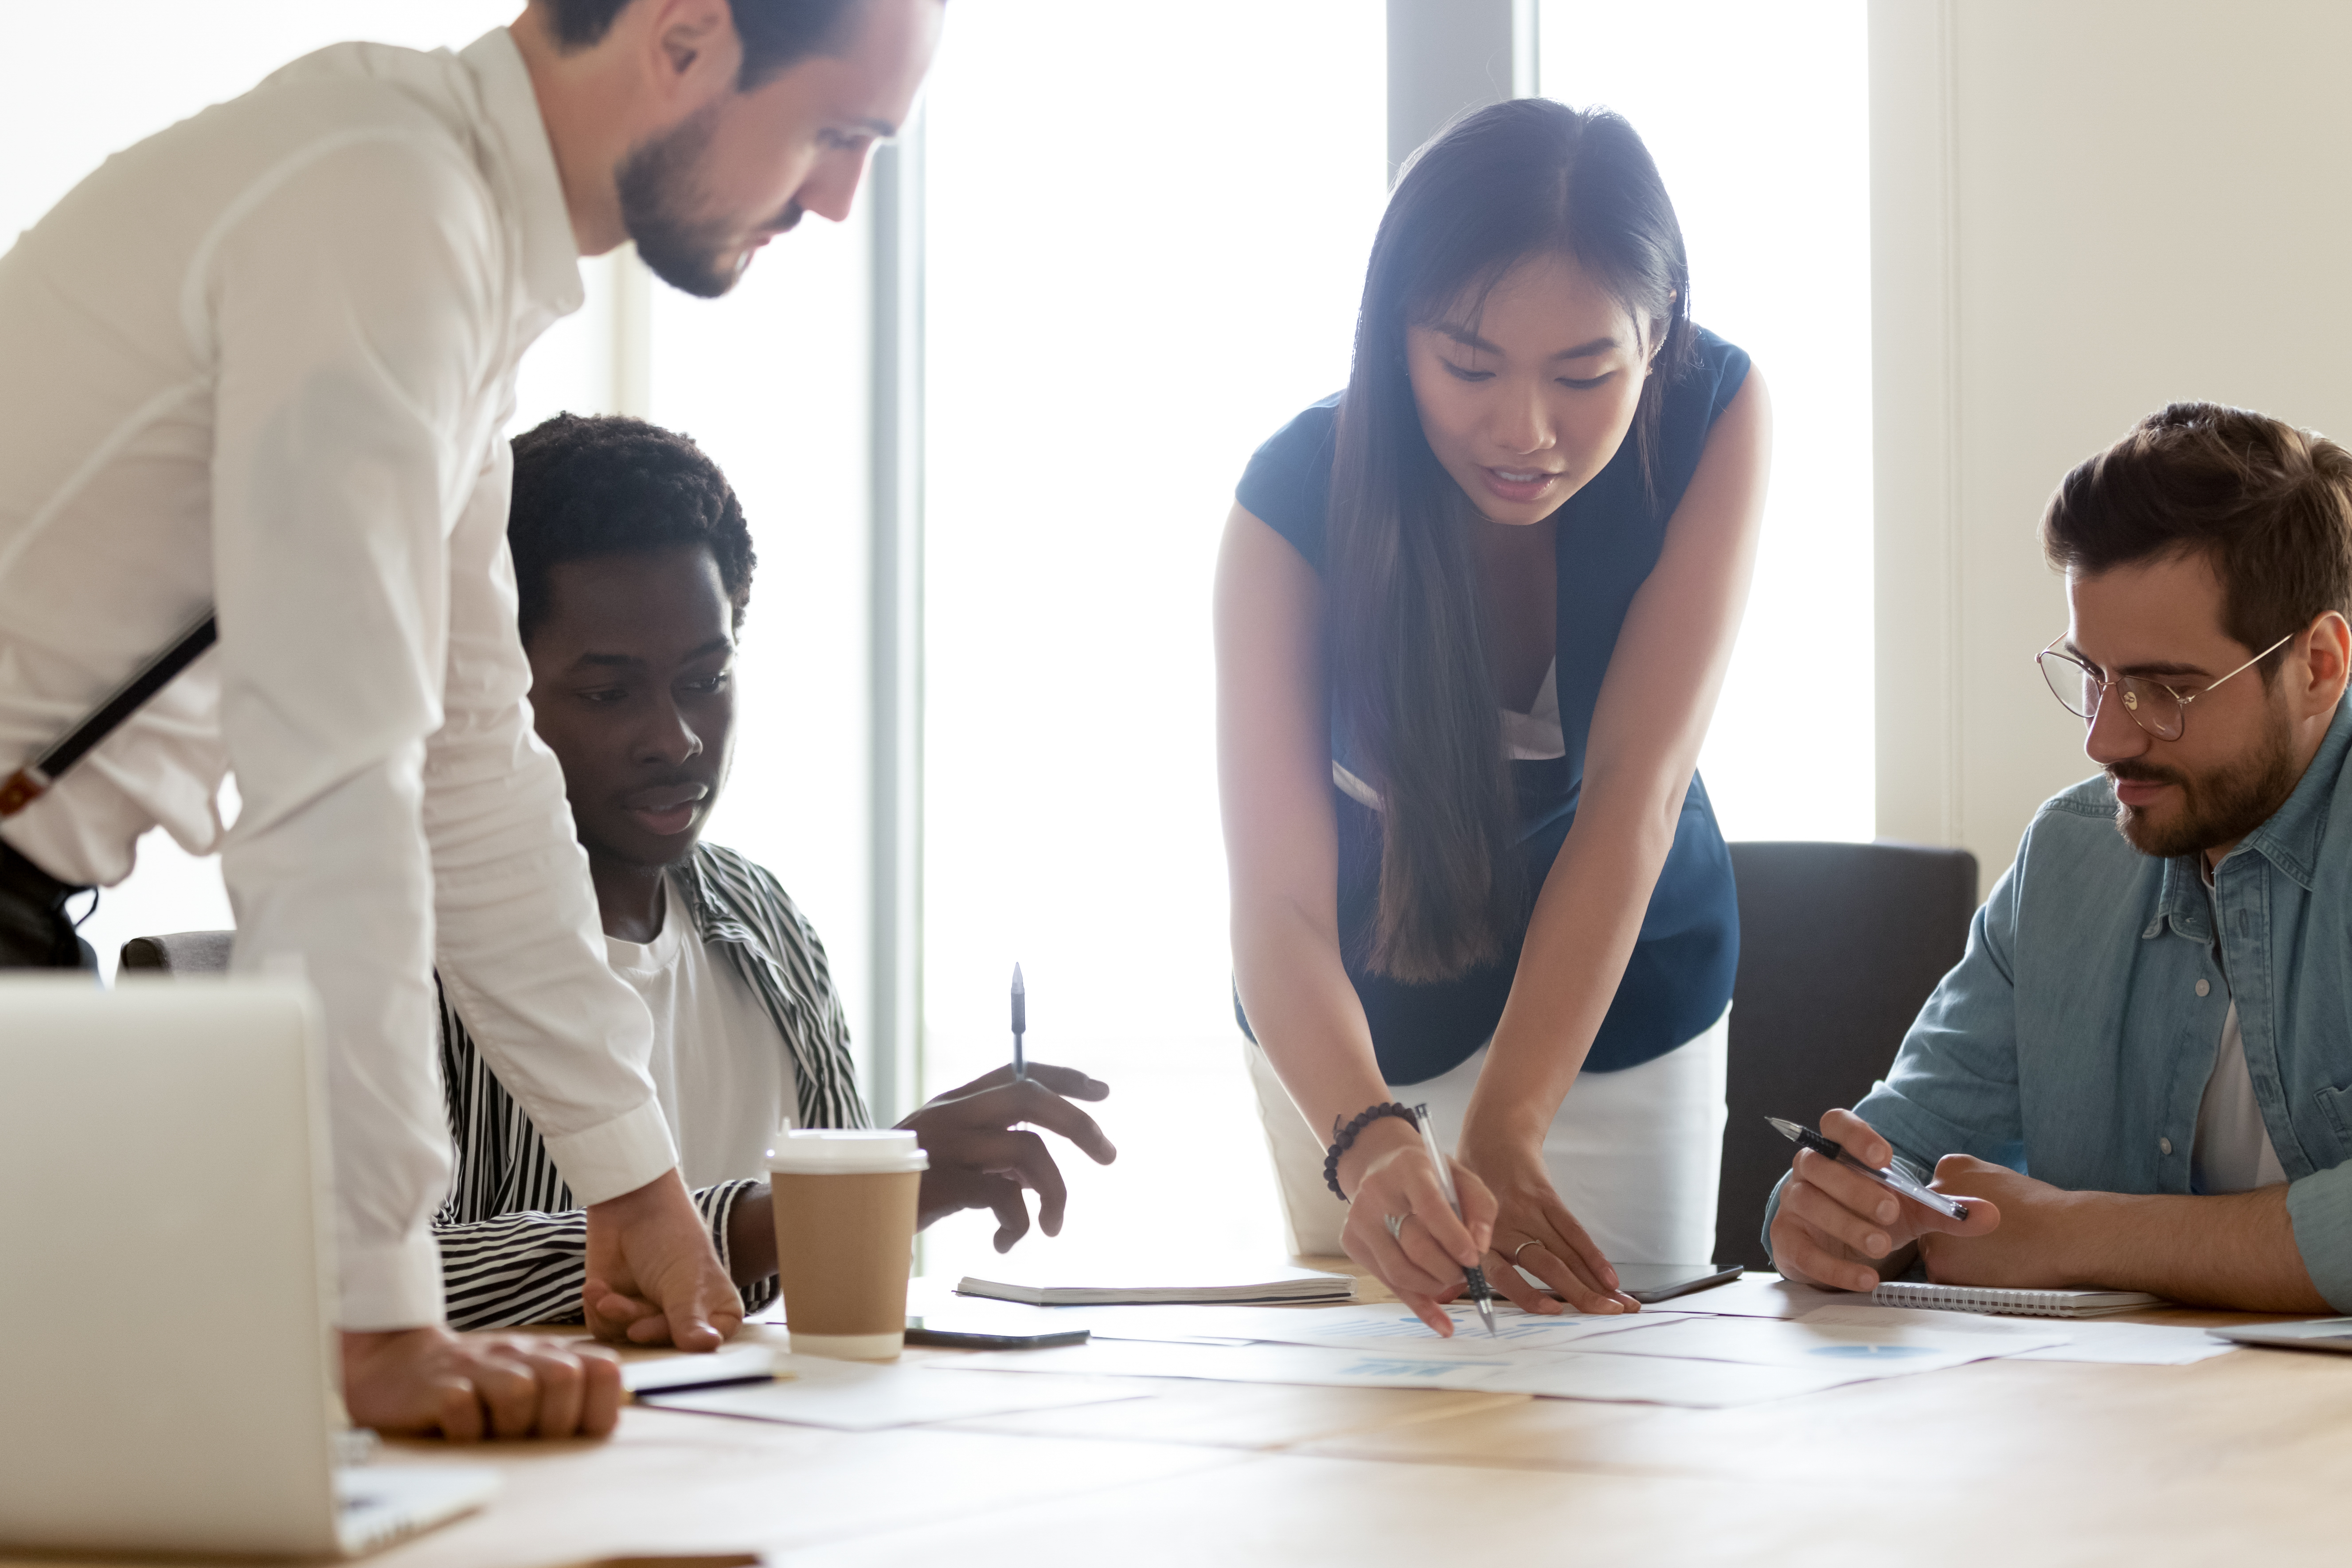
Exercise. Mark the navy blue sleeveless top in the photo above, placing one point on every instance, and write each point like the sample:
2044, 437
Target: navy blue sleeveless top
1678, 980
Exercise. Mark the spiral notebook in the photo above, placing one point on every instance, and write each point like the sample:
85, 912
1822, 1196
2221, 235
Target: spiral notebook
2023, 1303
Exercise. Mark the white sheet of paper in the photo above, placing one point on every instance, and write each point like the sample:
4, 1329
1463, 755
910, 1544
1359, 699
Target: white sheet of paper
1889, 1341
1389, 1328
857, 1396
2083, 1339
1555, 1375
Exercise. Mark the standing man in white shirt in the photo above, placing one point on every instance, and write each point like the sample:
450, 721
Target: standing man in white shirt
259, 364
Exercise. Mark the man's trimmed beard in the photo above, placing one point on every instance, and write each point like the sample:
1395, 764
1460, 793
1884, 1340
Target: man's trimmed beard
2219, 807
658, 188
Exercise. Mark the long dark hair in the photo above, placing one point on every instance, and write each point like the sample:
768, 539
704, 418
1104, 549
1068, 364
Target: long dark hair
1522, 179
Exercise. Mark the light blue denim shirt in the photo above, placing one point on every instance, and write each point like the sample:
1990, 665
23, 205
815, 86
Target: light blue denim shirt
2071, 1041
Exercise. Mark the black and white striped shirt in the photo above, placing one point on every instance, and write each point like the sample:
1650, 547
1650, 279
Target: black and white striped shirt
513, 1245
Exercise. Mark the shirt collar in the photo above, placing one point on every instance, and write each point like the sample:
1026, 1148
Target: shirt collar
551, 257
2289, 840
714, 919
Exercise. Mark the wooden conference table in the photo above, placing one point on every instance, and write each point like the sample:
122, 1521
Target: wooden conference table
2245, 1458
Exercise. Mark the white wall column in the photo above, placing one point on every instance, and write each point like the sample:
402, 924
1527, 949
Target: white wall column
1446, 56
2083, 210
895, 1047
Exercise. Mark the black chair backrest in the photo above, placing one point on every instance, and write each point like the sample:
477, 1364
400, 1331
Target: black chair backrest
1839, 946
180, 954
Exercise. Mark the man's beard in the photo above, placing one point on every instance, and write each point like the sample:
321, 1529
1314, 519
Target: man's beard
658, 190
2219, 807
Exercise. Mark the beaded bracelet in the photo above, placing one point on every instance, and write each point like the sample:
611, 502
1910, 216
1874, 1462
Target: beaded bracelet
1344, 1138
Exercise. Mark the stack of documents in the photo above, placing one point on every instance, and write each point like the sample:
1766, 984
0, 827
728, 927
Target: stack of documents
1126, 1287
1649, 1357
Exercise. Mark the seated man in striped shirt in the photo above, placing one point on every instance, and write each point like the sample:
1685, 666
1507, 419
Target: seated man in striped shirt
633, 565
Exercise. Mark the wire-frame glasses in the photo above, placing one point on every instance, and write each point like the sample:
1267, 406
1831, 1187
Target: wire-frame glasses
2159, 709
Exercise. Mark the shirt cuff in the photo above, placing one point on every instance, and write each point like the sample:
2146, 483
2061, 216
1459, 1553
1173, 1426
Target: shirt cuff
391, 1285
718, 1207
615, 1157
1772, 1212
2320, 1208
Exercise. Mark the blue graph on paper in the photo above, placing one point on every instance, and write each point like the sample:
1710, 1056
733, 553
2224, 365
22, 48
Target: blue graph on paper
1405, 1326
1391, 1366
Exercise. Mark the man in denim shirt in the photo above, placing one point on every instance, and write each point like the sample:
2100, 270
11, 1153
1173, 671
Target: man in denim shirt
2140, 1074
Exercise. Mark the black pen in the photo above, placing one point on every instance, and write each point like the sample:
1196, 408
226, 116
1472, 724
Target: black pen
1482, 1295
1894, 1178
1020, 1025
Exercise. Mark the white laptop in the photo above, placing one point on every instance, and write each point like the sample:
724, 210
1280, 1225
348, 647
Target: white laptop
166, 1350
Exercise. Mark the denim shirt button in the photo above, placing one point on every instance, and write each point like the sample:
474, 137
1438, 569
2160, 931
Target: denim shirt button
2164, 1144
2204, 987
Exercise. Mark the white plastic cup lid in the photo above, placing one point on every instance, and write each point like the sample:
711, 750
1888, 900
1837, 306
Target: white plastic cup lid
839, 1151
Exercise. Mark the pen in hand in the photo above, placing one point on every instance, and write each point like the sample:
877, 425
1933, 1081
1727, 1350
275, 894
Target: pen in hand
1894, 1178
1482, 1295
1020, 1023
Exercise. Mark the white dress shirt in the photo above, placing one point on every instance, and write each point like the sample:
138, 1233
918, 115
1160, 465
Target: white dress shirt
262, 360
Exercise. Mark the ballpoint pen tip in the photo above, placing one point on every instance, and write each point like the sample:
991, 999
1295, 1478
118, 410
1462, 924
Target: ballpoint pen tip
1016, 977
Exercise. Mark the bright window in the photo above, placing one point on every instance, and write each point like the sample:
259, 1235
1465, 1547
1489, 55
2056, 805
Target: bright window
771, 383
1148, 228
1759, 117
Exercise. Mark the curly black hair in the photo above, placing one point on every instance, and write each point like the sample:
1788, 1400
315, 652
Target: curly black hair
611, 484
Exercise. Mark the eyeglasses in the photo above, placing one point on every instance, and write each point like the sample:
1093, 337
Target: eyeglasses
2159, 709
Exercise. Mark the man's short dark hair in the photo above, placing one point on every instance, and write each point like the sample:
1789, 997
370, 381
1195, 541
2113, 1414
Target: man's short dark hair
775, 33
2268, 505
611, 484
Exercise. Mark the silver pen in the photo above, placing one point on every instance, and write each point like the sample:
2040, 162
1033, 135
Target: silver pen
1020, 1023
1894, 1178
1482, 1295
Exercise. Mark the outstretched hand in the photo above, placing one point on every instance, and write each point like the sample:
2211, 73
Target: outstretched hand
982, 1156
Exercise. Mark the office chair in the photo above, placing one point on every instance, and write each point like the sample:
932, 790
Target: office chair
1839, 946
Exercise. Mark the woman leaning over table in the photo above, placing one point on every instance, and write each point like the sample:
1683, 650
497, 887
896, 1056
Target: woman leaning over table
1473, 613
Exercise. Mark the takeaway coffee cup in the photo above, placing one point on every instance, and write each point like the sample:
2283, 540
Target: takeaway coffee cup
844, 1209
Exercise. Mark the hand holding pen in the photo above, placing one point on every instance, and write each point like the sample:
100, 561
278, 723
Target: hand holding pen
1474, 1278
1400, 1223
1849, 1215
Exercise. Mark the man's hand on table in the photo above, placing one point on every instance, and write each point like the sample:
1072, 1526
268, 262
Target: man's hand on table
465, 1388
653, 1276
981, 1157
1838, 1228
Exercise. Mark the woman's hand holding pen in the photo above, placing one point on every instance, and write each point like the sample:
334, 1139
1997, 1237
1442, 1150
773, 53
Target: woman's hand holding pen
1387, 1175
1534, 1229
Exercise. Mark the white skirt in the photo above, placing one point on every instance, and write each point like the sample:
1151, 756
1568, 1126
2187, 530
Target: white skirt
1635, 1155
